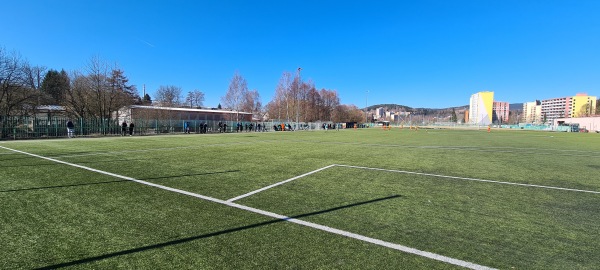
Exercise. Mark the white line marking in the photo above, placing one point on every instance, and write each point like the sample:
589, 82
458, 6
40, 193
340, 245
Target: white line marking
473, 179
277, 184
402, 248
528, 151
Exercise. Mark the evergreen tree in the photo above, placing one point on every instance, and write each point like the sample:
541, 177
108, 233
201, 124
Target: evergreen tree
453, 118
55, 85
147, 100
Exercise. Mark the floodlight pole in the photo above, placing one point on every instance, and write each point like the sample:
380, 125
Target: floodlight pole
366, 105
298, 100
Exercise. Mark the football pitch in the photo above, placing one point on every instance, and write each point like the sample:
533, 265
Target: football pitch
349, 199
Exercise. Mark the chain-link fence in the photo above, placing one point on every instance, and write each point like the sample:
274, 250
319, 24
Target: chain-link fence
29, 127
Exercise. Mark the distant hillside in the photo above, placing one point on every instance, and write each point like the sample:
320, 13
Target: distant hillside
390, 107
402, 108
397, 107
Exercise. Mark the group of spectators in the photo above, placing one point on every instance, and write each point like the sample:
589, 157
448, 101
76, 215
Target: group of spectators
249, 127
282, 127
124, 128
329, 126
203, 127
222, 127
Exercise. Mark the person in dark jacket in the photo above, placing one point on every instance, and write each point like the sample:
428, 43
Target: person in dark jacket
70, 129
124, 128
131, 126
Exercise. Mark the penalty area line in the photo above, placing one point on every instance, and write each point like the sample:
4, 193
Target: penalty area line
277, 184
324, 228
472, 179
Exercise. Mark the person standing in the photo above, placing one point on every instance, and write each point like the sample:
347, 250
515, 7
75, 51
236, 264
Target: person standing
70, 129
124, 128
131, 126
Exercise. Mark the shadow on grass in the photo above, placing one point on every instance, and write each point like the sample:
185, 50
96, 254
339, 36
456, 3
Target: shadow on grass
64, 186
17, 156
30, 165
110, 182
193, 238
80, 162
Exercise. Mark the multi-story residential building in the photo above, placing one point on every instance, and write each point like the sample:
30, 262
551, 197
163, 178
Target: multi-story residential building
379, 112
480, 108
532, 112
500, 112
568, 107
555, 108
582, 105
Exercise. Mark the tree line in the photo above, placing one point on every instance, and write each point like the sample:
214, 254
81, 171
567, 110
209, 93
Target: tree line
100, 89
96, 92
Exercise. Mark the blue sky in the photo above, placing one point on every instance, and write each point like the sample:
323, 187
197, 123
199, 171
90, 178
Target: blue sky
417, 53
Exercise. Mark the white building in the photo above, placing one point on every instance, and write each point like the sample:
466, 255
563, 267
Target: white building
480, 108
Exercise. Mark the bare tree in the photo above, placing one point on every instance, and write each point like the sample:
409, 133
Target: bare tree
234, 98
195, 98
34, 75
330, 102
280, 106
314, 101
98, 72
252, 104
78, 96
168, 96
16, 95
347, 113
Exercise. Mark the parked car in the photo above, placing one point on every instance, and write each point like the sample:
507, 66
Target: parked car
584, 130
598, 131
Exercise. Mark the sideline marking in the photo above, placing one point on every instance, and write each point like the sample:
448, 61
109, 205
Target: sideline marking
402, 248
472, 179
279, 183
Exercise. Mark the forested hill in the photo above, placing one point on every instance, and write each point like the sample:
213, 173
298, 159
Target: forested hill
402, 108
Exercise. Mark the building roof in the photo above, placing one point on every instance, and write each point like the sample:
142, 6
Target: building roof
50, 108
184, 109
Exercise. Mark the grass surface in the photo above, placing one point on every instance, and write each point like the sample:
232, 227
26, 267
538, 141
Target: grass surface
55, 215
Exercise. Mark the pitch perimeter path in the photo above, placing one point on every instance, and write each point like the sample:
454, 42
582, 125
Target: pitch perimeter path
402, 248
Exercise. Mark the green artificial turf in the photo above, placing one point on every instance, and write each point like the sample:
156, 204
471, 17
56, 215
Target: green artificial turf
55, 215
